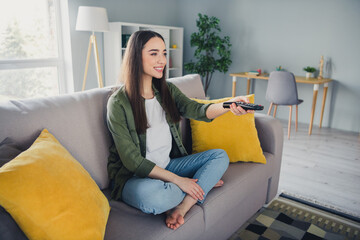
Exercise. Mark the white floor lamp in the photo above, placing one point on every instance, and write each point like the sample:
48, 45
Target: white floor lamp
92, 19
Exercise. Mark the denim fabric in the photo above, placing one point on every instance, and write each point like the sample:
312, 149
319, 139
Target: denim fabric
156, 196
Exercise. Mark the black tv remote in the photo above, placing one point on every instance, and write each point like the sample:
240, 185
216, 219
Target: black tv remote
244, 105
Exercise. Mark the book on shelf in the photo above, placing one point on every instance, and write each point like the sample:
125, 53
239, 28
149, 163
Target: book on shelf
255, 73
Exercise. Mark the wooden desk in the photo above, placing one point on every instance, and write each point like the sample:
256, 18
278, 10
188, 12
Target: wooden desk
316, 82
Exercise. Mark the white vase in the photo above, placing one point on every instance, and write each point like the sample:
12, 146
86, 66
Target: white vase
308, 75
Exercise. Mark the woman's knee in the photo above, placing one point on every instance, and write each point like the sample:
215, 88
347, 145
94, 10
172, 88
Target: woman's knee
151, 206
161, 200
222, 158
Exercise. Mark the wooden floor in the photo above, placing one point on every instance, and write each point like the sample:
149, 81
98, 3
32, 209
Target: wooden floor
323, 168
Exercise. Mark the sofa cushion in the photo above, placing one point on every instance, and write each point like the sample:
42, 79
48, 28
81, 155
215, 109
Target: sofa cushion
190, 85
77, 120
240, 180
135, 224
50, 195
226, 224
237, 135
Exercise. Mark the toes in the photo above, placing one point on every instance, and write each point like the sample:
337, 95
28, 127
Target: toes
174, 220
219, 183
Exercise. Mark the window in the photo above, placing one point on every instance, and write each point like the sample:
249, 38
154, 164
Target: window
32, 55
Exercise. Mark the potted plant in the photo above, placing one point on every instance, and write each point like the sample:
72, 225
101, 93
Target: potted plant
212, 52
309, 71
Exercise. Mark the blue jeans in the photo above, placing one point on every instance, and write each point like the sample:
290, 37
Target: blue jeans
156, 196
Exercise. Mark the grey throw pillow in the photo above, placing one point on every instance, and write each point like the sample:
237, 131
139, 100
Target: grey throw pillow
8, 151
8, 227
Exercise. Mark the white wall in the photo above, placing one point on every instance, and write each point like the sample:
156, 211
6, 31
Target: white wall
264, 34
293, 34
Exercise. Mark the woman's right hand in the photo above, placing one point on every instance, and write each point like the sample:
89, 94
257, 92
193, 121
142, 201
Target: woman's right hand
190, 186
187, 185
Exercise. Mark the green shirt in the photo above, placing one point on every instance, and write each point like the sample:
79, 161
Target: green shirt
127, 154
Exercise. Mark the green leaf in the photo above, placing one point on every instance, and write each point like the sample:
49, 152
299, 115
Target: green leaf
213, 52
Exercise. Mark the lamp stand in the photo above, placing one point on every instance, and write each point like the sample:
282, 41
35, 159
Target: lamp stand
93, 43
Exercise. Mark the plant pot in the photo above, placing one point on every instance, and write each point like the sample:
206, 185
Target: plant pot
309, 75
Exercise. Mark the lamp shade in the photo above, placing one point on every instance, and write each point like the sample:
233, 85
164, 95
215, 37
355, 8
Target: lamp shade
93, 19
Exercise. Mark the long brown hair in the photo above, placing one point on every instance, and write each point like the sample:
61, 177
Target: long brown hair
131, 75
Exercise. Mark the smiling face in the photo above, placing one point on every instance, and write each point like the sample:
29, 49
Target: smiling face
154, 58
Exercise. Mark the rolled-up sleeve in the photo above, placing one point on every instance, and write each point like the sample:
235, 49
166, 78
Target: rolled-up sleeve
189, 108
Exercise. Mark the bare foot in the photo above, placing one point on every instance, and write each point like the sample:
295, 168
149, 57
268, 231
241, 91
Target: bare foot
219, 183
174, 219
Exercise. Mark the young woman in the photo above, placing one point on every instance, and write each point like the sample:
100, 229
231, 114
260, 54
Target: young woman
148, 165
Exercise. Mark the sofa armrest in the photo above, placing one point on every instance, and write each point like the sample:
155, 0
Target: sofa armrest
270, 134
271, 138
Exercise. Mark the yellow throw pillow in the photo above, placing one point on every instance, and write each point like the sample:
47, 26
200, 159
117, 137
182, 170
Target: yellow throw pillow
237, 135
50, 195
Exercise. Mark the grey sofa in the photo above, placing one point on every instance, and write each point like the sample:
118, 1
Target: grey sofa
78, 122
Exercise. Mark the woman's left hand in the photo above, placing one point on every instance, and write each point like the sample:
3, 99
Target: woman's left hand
237, 110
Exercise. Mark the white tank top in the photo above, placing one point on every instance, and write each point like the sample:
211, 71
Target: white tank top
158, 135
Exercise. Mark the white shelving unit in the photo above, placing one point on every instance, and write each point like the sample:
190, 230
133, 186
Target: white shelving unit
114, 48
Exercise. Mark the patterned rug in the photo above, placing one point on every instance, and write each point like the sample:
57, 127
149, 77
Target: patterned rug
284, 219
